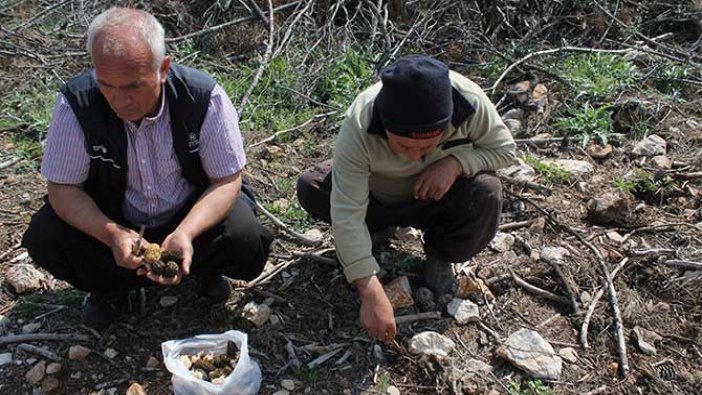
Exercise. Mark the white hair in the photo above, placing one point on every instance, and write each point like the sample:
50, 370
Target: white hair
144, 26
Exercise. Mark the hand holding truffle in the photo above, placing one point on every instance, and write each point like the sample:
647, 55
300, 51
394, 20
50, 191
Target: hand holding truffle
164, 265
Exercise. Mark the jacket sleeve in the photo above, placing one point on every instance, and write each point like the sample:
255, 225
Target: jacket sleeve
492, 144
349, 202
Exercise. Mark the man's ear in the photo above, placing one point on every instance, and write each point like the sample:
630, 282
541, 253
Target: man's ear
165, 66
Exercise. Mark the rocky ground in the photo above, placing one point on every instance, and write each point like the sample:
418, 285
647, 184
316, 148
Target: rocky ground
593, 284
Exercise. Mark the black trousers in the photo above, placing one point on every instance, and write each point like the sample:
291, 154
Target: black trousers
237, 247
457, 227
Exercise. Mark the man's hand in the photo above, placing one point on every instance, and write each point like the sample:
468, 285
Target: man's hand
121, 244
377, 316
437, 179
178, 242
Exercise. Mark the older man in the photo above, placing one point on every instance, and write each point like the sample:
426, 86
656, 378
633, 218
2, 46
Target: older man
140, 141
415, 150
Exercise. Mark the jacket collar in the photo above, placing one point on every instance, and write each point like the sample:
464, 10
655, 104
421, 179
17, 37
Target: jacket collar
462, 110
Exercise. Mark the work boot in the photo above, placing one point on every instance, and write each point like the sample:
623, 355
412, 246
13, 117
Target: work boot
439, 276
215, 288
101, 308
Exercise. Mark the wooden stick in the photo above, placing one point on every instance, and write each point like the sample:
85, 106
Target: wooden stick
593, 304
42, 352
285, 228
544, 190
230, 23
550, 51
687, 265
614, 304
264, 60
35, 337
536, 290
515, 225
278, 133
406, 319
564, 282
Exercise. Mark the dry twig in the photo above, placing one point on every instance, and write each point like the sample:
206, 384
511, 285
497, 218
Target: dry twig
266, 55
38, 337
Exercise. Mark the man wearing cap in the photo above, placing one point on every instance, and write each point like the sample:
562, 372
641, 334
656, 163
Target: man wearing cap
416, 149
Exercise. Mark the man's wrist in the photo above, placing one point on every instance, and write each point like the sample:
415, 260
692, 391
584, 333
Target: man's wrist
367, 286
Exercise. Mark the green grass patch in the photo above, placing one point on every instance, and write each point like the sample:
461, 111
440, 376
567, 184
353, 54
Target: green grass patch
597, 74
27, 115
347, 76
35, 304
529, 387
383, 383
552, 174
588, 123
654, 188
304, 374
670, 78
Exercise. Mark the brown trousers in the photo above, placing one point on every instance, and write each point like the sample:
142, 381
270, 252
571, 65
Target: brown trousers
456, 228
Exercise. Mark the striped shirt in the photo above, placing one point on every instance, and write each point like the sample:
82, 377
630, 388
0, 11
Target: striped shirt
156, 188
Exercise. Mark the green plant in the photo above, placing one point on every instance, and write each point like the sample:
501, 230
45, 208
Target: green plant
587, 122
651, 187
383, 383
552, 174
28, 115
305, 374
346, 77
532, 387
597, 73
670, 78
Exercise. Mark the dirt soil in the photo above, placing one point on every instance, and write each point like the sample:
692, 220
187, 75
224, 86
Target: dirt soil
317, 312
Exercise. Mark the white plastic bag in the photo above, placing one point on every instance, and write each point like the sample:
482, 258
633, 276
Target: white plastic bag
245, 379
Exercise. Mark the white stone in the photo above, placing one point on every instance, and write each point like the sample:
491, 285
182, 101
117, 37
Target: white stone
392, 390
281, 392
111, 353
576, 168
513, 125
31, 328
50, 384
288, 384
5, 358
3, 323
136, 389
78, 353
650, 146
24, 278
554, 254
520, 171
502, 242
168, 301
399, 292
477, 366
464, 311
661, 162
431, 343
528, 351
53, 368
36, 373
646, 340
314, 234
257, 313
568, 354
515, 113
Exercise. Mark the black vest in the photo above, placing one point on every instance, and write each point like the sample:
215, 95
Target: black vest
188, 96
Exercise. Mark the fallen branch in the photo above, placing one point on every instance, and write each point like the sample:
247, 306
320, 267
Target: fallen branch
278, 133
42, 352
406, 319
266, 55
36, 337
286, 229
9, 162
515, 225
550, 51
688, 176
536, 290
544, 190
614, 304
564, 282
687, 265
230, 23
593, 303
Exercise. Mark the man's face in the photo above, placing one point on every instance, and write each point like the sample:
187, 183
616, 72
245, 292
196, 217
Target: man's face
130, 82
411, 148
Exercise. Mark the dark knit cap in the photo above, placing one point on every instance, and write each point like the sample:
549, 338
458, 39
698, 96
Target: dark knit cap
416, 97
